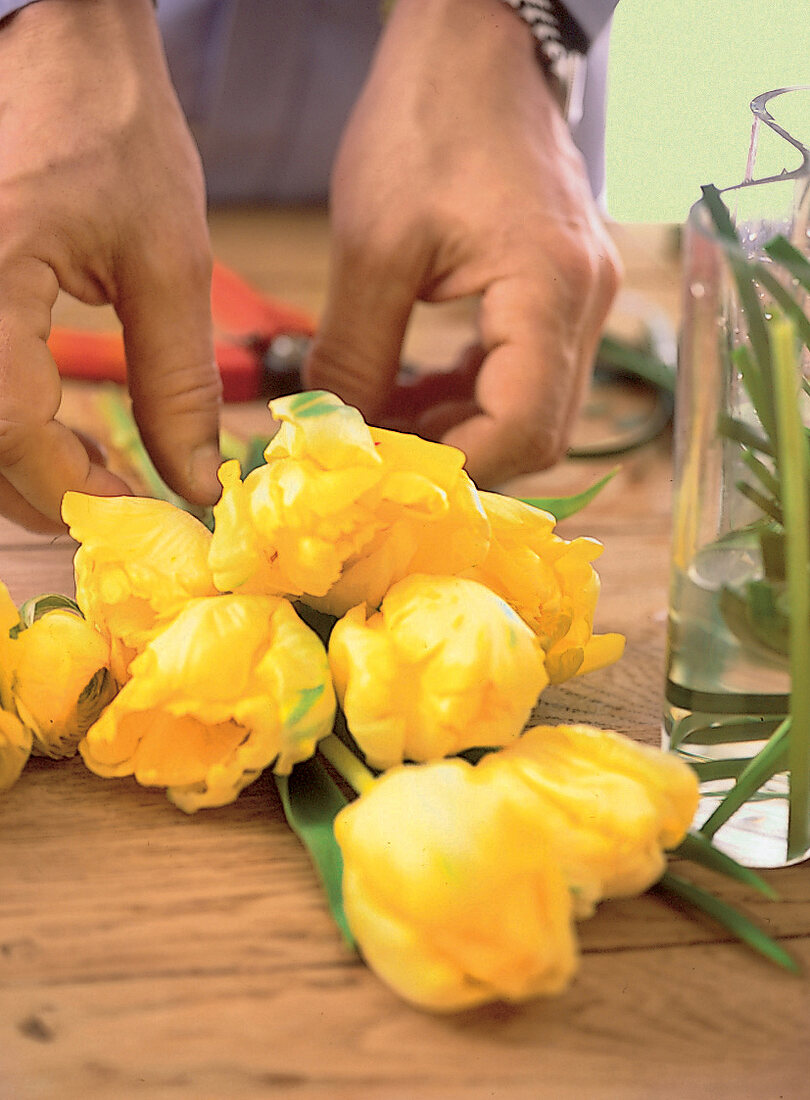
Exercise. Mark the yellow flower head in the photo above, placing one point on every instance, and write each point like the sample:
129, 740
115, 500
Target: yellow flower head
140, 561
341, 511
549, 582
9, 620
233, 684
15, 748
444, 665
60, 680
612, 806
453, 901
54, 678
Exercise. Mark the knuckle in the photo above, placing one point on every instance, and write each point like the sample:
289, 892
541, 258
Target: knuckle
538, 444
611, 269
582, 263
545, 446
16, 434
12, 442
183, 388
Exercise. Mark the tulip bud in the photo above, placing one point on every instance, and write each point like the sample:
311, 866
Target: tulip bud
140, 561
551, 584
15, 748
443, 666
231, 686
452, 901
60, 681
613, 806
341, 511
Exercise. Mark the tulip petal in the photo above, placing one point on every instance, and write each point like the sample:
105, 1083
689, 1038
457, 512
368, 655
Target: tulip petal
341, 511
233, 685
445, 665
451, 902
15, 748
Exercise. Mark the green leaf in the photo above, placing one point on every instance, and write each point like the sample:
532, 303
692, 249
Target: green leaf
311, 801
784, 253
735, 429
766, 504
696, 730
709, 771
254, 454
794, 467
636, 361
757, 387
791, 308
698, 849
755, 621
761, 768
772, 547
563, 507
38, 606
729, 917
766, 477
749, 299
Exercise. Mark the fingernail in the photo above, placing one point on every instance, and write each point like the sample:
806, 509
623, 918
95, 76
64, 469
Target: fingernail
203, 466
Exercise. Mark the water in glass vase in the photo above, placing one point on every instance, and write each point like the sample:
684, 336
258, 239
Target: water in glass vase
724, 700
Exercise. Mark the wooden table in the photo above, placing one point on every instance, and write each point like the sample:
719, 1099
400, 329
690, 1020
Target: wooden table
148, 954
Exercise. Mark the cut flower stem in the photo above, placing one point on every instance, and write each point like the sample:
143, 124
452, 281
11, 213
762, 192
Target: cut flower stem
350, 767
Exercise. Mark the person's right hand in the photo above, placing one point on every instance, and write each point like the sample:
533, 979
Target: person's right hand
101, 194
457, 177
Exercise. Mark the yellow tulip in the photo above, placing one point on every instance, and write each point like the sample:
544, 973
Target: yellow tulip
233, 684
443, 666
612, 806
54, 677
15, 748
9, 621
549, 582
60, 680
341, 511
452, 899
140, 561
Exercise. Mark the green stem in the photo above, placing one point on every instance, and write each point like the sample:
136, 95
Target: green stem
792, 461
761, 768
343, 760
738, 924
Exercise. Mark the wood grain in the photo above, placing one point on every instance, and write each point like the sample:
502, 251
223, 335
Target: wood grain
147, 954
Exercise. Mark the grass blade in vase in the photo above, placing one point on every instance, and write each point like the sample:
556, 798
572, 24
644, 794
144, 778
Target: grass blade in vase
748, 746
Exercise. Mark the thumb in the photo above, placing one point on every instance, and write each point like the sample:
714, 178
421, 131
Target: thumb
356, 350
173, 378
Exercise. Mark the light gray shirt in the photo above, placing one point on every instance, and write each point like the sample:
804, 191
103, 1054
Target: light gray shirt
267, 87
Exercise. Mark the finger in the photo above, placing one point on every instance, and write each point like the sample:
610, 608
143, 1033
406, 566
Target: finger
356, 350
14, 507
96, 451
529, 385
173, 378
40, 459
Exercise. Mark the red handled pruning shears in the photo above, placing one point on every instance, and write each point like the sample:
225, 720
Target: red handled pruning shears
260, 343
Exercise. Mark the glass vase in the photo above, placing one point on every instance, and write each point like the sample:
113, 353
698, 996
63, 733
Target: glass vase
736, 619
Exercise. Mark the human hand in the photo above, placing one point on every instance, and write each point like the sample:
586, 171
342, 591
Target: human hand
457, 176
101, 194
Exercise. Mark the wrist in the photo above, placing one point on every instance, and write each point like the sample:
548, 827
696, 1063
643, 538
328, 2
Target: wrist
480, 35
113, 22
107, 50
469, 36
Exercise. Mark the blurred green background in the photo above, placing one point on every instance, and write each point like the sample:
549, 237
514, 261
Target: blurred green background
682, 74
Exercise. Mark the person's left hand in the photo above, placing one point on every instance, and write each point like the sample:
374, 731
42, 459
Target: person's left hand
457, 176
